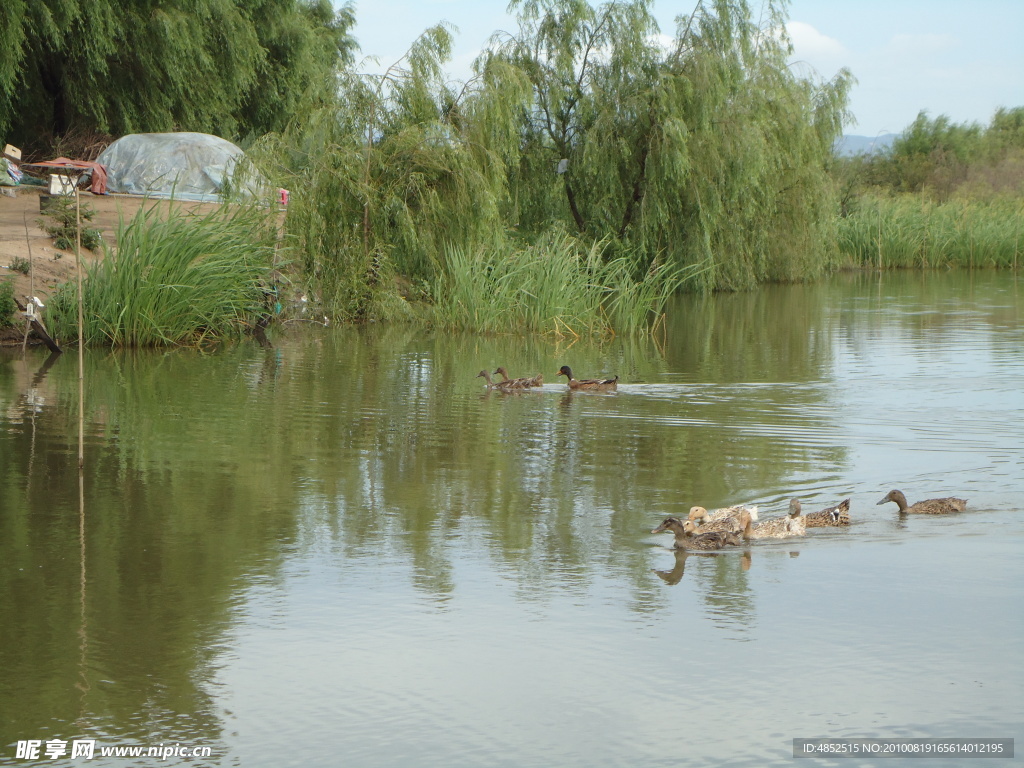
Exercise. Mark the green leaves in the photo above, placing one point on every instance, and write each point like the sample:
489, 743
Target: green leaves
710, 152
230, 67
558, 286
176, 278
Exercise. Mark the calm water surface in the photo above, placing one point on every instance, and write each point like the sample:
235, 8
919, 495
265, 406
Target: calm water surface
343, 551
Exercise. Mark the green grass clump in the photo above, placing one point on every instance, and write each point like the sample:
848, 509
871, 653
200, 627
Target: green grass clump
910, 232
555, 286
174, 278
7, 305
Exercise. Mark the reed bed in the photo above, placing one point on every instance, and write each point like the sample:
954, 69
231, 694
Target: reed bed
174, 279
555, 286
911, 232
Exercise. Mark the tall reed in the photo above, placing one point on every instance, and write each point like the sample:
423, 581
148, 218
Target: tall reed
555, 286
174, 278
914, 232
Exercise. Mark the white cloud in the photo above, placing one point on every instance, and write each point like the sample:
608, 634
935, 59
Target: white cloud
809, 43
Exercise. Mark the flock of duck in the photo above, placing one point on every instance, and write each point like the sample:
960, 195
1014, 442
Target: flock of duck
508, 384
704, 531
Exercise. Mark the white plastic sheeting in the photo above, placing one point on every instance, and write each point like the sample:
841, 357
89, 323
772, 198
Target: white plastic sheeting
187, 166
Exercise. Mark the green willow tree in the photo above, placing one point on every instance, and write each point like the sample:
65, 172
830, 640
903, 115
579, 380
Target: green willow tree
706, 158
231, 67
576, 57
400, 170
711, 154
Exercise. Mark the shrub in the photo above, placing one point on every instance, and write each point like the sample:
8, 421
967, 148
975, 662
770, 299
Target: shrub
65, 220
174, 279
7, 305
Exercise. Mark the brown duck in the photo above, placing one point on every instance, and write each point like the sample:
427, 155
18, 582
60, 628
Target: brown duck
501, 386
523, 382
927, 507
594, 385
836, 515
687, 538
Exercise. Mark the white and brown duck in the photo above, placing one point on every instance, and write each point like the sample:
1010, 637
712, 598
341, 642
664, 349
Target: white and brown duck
838, 514
722, 519
776, 528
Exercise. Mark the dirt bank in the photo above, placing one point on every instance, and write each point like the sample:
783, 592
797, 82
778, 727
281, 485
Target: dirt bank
23, 240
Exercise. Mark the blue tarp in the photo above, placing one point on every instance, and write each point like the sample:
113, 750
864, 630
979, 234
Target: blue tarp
187, 166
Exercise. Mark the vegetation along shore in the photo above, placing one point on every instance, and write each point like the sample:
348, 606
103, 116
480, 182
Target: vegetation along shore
577, 180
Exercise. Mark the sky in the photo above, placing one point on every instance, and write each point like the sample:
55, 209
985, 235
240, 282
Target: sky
946, 57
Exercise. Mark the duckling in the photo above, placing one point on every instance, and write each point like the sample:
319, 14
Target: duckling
836, 515
927, 507
724, 519
594, 385
524, 382
688, 538
501, 386
777, 528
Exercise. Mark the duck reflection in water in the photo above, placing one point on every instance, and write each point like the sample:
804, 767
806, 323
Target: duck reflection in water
675, 575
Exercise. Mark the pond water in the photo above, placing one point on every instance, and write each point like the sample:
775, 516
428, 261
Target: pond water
344, 551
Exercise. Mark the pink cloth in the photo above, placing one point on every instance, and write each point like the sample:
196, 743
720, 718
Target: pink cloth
99, 172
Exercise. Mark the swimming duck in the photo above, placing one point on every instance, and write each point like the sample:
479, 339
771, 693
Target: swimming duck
595, 385
837, 515
777, 528
724, 519
927, 507
688, 538
524, 382
501, 386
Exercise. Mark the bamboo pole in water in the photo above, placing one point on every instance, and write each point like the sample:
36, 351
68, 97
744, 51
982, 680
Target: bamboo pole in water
31, 283
81, 322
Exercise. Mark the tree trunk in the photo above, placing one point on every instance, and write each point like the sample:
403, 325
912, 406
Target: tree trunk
580, 224
638, 192
51, 76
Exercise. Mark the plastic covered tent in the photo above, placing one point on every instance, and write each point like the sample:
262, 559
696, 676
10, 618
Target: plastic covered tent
187, 166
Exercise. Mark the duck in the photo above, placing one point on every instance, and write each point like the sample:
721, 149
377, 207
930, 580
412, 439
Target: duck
835, 515
927, 507
524, 382
501, 386
594, 385
792, 524
724, 519
688, 538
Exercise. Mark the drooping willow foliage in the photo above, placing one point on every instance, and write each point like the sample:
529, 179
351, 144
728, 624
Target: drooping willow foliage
712, 152
709, 155
239, 68
393, 176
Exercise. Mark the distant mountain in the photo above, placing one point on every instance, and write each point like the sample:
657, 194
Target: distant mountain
864, 145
